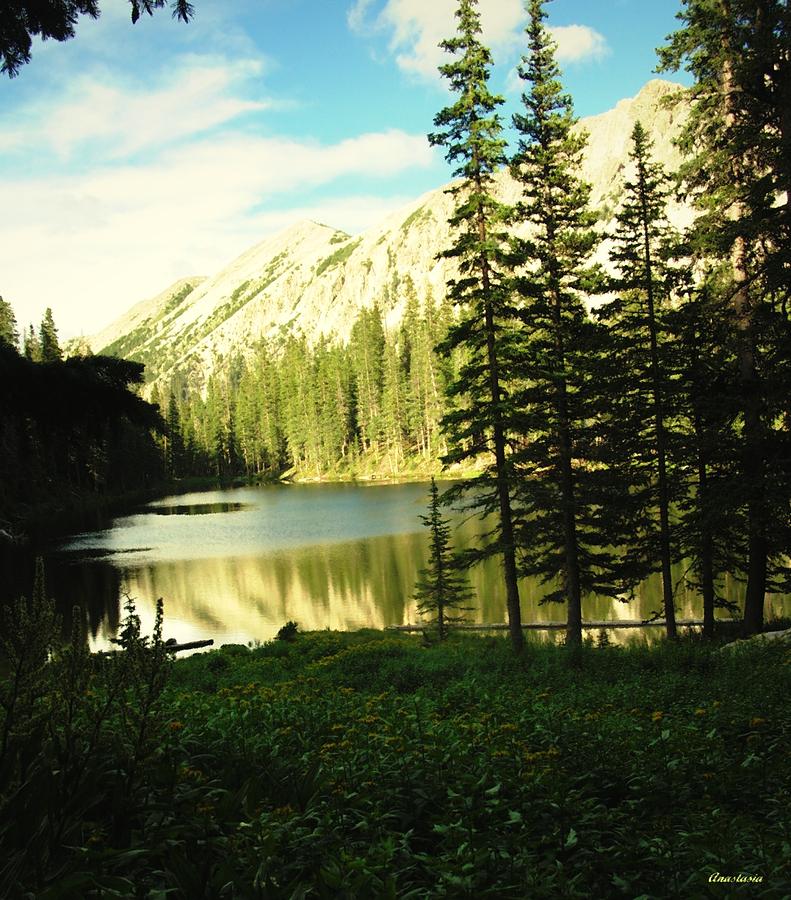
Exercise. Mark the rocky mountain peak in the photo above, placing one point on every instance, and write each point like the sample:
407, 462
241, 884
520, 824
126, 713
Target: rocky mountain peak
314, 279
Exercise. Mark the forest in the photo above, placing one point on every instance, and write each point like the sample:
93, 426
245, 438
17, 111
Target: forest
615, 420
605, 441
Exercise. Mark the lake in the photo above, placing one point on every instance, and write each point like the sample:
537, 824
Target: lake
234, 565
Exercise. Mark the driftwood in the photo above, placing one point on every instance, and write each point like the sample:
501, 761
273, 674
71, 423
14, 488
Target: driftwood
557, 626
170, 645
190, 645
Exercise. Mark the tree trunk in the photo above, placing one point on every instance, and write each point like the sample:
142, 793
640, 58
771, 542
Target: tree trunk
503, 493
753, 462
659, 429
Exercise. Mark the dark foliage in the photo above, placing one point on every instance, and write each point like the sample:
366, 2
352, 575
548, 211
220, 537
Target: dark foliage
22, 20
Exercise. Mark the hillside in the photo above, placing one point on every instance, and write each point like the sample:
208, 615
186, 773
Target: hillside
314, 279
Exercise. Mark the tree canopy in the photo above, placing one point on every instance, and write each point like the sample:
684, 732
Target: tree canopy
22, 20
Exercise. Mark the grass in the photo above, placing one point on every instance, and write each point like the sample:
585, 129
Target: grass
369, 765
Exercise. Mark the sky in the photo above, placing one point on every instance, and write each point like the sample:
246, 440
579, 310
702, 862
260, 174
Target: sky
132, 156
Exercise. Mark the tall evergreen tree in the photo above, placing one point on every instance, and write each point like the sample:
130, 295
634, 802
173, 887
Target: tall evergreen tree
48, 338
639, 334
738, 138
441, 590
32, 345
710, 523
561, 533
9, 332
367, 345
394, 411
471, 133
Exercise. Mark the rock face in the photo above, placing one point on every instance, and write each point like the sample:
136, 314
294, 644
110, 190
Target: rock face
314, 279
780, 638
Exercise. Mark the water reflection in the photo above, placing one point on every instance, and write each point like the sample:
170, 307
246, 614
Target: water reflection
326, 556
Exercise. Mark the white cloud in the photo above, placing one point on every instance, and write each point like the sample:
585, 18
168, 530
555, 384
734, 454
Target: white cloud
91, 245
578, 42
119, 122
416, 27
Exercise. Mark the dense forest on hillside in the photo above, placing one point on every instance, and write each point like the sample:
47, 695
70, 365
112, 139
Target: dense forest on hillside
372, 405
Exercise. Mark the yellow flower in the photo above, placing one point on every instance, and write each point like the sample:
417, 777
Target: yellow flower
757, 721
657, 716
175, 726
700, 711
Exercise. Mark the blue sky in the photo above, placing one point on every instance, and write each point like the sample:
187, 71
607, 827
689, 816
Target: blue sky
132, 156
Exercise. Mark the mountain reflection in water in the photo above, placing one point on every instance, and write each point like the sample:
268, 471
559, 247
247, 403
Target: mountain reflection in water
327, 556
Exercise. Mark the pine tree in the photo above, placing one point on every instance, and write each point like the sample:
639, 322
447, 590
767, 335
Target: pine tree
710, 523
737, 139
32, 345
639, 338
394, 416
9, 332
441, 590
366, 347
560, 487
48, 339
174, 460
471, 132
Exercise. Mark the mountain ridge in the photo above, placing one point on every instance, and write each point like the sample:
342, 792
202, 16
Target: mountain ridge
313, 279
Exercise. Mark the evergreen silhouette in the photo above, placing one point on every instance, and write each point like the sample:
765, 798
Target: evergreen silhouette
641, 395
563, 538
9, 331
737, 140
481, 421
48, 339
22, 20
442, 590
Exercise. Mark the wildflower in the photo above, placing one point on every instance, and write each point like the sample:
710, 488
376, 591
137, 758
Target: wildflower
757, 721
657, 716
175, 726
700, 711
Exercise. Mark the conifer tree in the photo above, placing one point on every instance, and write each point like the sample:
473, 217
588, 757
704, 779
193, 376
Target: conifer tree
639, 338
393, 407
441, 590
710, 523
9, 332
367, 355
738, 174
561, 533
48, 339
32, 345
175, 446
480, 425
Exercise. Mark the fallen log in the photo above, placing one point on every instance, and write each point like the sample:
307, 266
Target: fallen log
170, 645
190, 645
553, 626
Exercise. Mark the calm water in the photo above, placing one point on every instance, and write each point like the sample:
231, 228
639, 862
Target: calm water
234, 565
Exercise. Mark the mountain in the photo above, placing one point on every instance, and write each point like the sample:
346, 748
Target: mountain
314, 279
